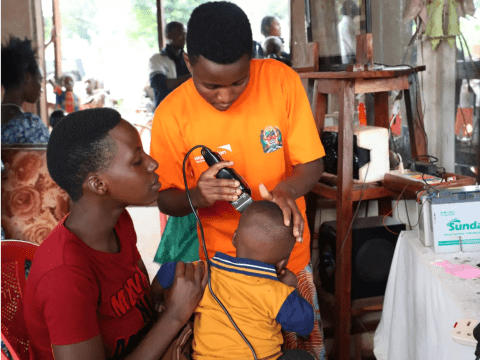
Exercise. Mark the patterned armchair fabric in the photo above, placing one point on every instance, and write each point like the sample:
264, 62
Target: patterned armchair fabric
32, 203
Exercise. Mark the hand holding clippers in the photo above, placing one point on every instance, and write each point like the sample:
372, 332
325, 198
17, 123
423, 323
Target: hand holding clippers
244, 199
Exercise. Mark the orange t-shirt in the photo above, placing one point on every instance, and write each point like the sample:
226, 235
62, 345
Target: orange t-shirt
267, 131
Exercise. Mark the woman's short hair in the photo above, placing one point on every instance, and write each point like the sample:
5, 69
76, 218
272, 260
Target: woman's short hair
79, 144
18, 58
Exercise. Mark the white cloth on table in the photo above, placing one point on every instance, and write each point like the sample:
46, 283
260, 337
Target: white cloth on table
423, 302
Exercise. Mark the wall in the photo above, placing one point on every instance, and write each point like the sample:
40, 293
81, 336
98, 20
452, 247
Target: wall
17, 18
390, 34
23, 18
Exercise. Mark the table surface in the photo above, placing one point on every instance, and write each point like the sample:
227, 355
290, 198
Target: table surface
423, 302
384, 72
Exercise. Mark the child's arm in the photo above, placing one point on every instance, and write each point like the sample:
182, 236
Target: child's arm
288, 278
296, 315
162, 282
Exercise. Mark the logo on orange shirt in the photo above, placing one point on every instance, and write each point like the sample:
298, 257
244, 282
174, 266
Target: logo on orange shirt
271, 139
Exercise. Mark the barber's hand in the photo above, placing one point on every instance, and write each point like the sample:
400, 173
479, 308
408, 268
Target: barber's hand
210, 189
187, 290
289, 208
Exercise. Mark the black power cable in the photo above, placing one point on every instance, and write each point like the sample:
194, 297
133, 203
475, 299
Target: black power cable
206, 253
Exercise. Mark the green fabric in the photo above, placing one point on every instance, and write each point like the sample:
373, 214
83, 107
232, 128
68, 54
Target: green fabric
179, 240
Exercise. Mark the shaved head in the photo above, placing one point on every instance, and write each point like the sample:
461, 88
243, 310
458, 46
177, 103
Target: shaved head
261, 234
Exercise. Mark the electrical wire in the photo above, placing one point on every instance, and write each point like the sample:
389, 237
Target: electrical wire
206, 254
421, 206
406, 211
356, 210
391, 211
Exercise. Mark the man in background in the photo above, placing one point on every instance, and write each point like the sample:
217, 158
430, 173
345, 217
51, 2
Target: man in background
346, 31
167, 69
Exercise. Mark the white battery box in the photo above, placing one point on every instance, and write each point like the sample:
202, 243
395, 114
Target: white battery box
450, 219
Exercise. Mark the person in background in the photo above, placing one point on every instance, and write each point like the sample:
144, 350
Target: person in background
255, 285
167, 69
95, 95
346, 31
55, 117
22, 82
253, 112
65, 98
88, 295
273, 47
270, 26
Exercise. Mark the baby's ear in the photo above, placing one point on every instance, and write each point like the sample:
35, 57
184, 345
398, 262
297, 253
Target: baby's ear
282, 264
234, 239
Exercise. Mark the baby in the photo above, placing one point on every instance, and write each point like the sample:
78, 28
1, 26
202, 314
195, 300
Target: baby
255, 287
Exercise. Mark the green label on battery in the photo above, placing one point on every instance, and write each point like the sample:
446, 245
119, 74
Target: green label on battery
457, 225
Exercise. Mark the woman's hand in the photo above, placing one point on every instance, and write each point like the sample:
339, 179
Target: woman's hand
210, 189
187, 290
289, 208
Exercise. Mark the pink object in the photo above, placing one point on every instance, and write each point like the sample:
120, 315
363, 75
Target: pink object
462, 271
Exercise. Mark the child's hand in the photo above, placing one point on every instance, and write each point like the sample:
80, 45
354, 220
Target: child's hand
187, 290
287, 277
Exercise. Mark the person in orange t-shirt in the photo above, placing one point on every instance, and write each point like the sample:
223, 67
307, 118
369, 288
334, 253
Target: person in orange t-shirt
255, 113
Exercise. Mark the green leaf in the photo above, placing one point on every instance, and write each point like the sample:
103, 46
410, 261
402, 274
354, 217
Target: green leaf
435, 21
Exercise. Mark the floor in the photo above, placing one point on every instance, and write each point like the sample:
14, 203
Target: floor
146, 220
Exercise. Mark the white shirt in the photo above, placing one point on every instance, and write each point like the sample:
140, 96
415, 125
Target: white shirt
346, 36
161, 64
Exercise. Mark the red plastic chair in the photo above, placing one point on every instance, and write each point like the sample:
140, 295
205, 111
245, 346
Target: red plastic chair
14, 332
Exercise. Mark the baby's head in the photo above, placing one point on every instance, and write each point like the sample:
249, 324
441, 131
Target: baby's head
262, 235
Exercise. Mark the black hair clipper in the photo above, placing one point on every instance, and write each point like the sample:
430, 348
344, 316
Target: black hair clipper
245, 199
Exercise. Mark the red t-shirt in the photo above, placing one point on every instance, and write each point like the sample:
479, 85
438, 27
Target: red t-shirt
74, 293
266, 132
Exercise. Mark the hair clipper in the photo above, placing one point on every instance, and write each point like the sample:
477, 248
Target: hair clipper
245, 199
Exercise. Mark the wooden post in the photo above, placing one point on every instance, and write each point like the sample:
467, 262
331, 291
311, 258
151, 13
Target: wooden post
438, 83
39, 39
57, 44
160, 24
343, 268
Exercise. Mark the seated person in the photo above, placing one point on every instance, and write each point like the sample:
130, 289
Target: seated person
95, 95
88, 294
65, 98
255, 286
56, 116
22, 81
273, 49
270, 26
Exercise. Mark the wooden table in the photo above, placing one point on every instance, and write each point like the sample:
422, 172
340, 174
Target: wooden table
346, 85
